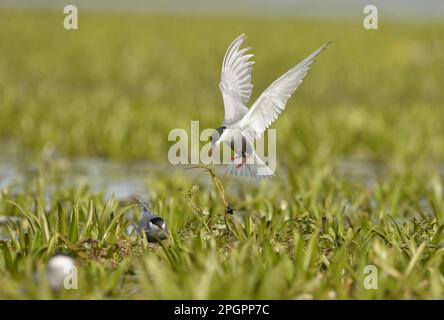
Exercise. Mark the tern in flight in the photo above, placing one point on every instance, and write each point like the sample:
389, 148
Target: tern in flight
241, 125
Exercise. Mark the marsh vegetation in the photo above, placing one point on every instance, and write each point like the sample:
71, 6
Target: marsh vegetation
360, 154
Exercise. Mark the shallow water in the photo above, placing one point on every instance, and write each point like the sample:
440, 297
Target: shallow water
364, 171
127, 179
122, 179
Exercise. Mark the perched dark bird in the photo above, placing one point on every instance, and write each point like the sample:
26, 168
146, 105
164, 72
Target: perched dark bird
153, 225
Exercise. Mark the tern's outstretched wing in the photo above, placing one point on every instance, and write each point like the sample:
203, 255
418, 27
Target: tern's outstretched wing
235, 83
272, 101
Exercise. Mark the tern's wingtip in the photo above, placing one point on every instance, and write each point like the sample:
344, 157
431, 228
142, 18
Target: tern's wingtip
242, 36
328, 44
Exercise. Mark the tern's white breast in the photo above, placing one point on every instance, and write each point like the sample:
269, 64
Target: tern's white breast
234, 138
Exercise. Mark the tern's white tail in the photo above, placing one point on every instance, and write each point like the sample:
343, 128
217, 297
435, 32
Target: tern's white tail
253, 168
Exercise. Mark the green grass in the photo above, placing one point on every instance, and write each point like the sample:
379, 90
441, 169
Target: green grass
115, 88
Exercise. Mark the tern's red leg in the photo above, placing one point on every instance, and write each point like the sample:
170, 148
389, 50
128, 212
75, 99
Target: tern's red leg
244, 160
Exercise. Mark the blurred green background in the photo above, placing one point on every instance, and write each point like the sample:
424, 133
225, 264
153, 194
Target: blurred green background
116, 86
